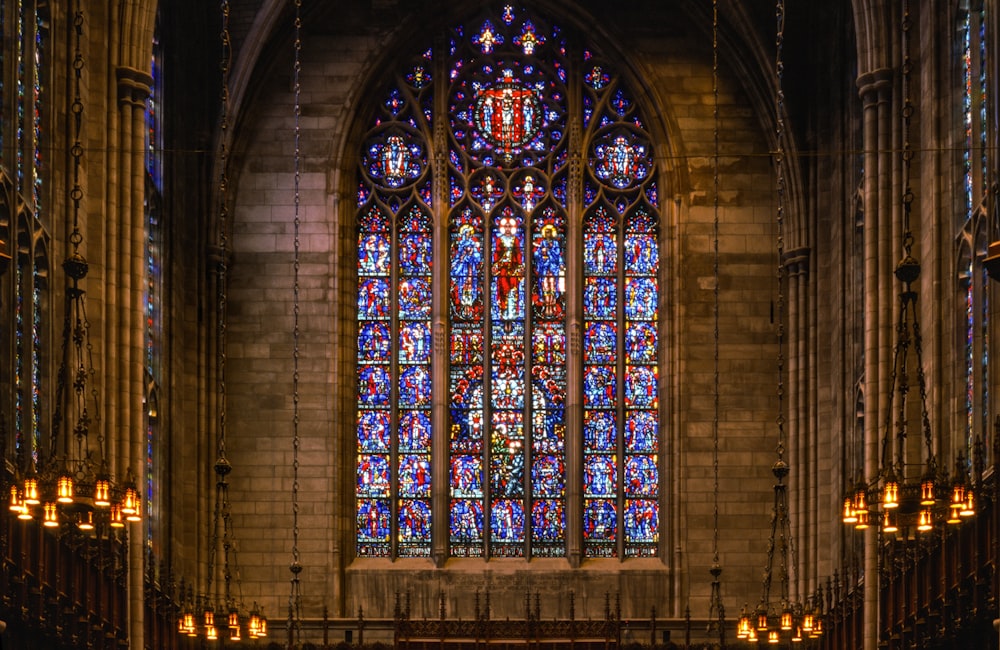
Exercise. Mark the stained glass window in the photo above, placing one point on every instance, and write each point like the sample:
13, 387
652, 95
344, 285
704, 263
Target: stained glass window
493, 173
973, 230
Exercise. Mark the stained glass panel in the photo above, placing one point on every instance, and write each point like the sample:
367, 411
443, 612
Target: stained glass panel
506, 186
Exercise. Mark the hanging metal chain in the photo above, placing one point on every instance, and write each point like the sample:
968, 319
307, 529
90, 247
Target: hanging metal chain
221, 464
716, 610
295, 598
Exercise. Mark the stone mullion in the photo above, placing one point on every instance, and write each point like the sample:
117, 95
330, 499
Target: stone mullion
574, 319
440, 491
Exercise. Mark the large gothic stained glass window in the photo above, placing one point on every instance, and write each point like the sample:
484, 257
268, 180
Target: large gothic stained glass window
477, 216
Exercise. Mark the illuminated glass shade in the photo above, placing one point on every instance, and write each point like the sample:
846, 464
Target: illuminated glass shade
102, 492
926, 520
890, 493
86, 521
116, 517
64, 489
927, 491
889, 522
969, 507
50, 515
849, 515
30, 491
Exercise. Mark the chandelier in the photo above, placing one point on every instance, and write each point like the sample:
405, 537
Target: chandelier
909, 498
778, 617
67, 480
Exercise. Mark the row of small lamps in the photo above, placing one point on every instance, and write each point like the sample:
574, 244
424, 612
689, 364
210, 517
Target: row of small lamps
761, 626
37, 497
858, 506
256, 624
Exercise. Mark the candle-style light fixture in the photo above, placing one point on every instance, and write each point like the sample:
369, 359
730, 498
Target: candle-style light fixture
223, 616
908, 499
68, 481
779, 617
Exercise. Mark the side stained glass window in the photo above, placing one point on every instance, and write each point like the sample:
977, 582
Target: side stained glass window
493, 173
393, 468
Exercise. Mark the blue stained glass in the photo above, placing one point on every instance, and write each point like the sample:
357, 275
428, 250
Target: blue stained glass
487, 190
589, 192
599, 340
640, 343
373, 254
620, 102
548, 296
415, 475
373, 431
466, 348
467, 391
597, 78
651, 194
487, 38
373, 521
508, 266
415, 298
600, 521
507, 455
621, 160
640, 299
559, 190
373, 342
414, 522
528, 191
373, 475
548, 431
549, 345
641, 256
418, 77
547, 476
414, 342
641, 477
599, 476
507, 521
373, 299
373, 386
642, 431
467, 267
394, 160
415, 254
466, 521
395, 102
640, 387
641, 221
548, 520
507, 393
599, 387
415, 387
466, 476
414, 431
528, 39
600, 298
599, 430
641, 521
